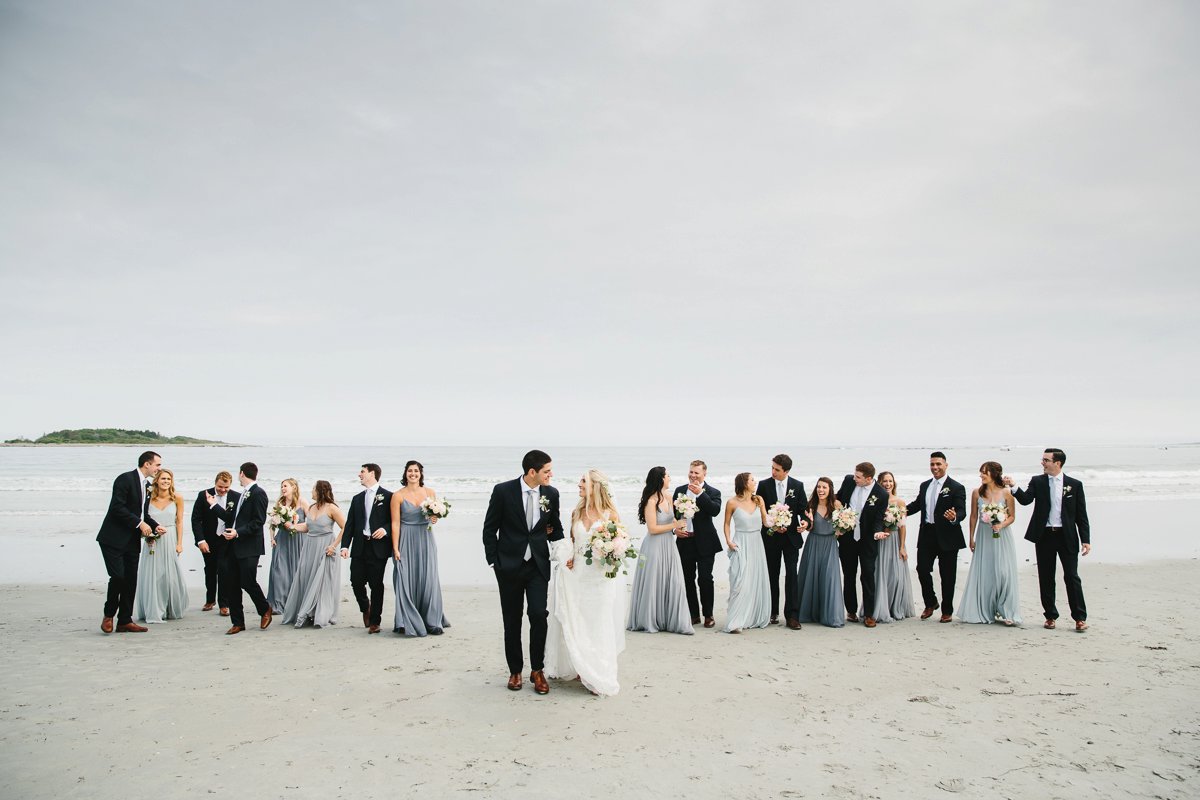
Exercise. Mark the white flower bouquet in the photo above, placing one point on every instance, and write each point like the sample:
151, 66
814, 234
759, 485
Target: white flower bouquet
994, 514
151, 539
609, 547
844, 520
895, 514
779, 518
279, 517
685, 507
435, 508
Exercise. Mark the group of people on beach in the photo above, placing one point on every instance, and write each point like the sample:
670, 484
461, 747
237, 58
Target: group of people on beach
820, 547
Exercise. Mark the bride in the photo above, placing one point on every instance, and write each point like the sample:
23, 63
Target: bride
587, 612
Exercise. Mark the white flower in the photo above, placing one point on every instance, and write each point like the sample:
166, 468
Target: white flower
544, 502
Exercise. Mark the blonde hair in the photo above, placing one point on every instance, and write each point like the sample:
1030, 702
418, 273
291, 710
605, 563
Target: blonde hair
596, 497
295, 488
170, 489
224, 475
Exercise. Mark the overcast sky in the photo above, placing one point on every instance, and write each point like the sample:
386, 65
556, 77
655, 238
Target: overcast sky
607, 222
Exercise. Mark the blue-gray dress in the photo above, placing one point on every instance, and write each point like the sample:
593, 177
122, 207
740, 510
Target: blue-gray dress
749, 582
316, 589
161, 587
991, 591
659, 600
893, 586
820, 577
285, 556
415, 577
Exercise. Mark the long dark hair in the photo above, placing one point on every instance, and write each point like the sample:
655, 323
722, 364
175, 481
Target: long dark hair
420, 466
815, 501
324, 493
654, 487
741, 483
995, 472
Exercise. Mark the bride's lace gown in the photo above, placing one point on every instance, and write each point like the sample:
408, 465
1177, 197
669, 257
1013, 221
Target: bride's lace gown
587, 617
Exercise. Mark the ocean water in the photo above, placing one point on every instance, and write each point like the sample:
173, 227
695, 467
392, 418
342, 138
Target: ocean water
52, 499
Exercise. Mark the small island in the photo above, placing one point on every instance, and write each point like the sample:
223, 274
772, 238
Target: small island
91, 436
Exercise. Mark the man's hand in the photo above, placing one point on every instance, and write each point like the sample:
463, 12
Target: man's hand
230, 534
379, 533
696, 488
204, 548
1008, 481
345, 552
951, 515
144, 529
1087, 548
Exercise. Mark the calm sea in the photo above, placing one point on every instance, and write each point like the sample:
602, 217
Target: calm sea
52, 499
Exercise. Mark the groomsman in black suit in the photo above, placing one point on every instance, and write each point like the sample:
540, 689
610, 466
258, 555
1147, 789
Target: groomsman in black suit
1058, 529
942, 504
784, 545
208, 529
367, 541
127, 522
243, 547
522, 519
699, 543
859, 548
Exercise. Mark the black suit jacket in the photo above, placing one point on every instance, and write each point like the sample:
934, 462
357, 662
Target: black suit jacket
506, 532
947, 535
205, 518
380, 516
248, 521
120, 526
870, 521
1074, 509
704, 540
797, 502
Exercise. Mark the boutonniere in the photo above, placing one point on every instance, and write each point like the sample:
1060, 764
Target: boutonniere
945, 492
791, 494
379, 499
544, 502
229, 506
1066, 490
871, 500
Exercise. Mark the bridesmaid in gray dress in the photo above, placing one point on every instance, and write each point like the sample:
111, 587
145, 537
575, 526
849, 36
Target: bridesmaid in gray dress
749, 581
893, 585
991, 593
659, 600
161, 589
285, 553
820, 572
415, 573
316, 590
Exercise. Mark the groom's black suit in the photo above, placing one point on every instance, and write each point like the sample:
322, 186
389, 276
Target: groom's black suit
697, 551
204, 529
940, 541
863, 552
239, 566
784, 546
506, 535
369, 557
1061, 543
121, 542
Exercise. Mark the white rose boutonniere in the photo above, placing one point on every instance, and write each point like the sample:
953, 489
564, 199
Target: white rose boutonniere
790, 494
872, 500
229, 506
544, 504
379, 498
945, 492
1066, 491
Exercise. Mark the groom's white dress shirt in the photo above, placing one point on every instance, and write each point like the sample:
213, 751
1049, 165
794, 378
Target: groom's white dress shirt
857, 500
935, 486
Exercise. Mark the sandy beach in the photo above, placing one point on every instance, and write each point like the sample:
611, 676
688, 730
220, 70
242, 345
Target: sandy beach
910, 709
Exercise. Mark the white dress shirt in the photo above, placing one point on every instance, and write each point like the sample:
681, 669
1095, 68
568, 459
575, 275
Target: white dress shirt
142, 507
1054, 520
694, 496
857, 500
368, 500
531, 498
931, 498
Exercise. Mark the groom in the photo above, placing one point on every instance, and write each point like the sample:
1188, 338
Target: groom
942, 504
120, 538
1059, 528
243, 547
367, 540
522, 517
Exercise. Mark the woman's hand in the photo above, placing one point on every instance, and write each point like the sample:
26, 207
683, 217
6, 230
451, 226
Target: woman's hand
995, 527
732, 547
179, 549
434, 520
396, 555
571, 562
972, 544
272, 541
903, 554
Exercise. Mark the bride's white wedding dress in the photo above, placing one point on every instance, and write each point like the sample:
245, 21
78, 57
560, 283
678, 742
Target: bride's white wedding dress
587, 617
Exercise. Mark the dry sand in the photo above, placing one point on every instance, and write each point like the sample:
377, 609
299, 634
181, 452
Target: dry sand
910, 709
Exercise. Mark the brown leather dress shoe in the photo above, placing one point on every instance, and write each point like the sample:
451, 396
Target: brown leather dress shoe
234, 629
107, 625
695, 620
927, 613
207, 607
709, 622
793, 624
946, 618
131, 627
224, 612
1049, 625
538, 679
852, 618
373, 629
266, 620
514, 682
1080, 625
774, 620
869, 622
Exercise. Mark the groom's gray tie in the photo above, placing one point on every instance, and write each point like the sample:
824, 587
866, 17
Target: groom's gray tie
531, 509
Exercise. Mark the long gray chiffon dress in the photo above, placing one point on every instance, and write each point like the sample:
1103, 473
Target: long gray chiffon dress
991, 593
659, 600
285, 557
415, 578
749, 582
161, 588
820, 577
316, 590
893, 586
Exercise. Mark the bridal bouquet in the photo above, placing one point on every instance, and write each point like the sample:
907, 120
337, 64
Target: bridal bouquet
844, 520
994, 514
779, 518
435, 508
281, 515
151, 539
895, 514
609, 546
685, 507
